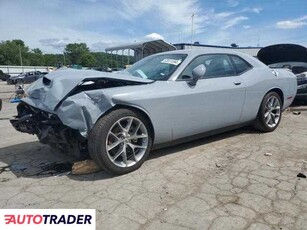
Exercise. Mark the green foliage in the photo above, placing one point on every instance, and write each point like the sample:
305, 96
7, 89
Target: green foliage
10, 52
106, 59
75, 53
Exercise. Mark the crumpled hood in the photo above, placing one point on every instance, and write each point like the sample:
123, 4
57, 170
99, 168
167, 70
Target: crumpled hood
47, 92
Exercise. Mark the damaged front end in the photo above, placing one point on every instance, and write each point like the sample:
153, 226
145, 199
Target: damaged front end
62, 107
50, 130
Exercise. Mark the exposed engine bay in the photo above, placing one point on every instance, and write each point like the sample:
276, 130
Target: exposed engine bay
50, 130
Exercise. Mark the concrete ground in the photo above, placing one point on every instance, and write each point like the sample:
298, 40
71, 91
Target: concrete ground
237, 180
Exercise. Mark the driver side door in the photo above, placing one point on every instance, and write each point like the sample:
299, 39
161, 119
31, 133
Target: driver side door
216, 101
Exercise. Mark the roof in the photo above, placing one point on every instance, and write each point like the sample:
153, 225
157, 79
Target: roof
152, 46
214, 46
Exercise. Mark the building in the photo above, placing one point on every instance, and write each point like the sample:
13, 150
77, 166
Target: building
146, 48
141, 49
253, 51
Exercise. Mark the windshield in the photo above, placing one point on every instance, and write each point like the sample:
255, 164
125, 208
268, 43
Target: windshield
158, 67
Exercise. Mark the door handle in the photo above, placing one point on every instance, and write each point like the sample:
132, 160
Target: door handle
237, 82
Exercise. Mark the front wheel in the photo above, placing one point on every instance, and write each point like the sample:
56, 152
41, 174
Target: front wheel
269, 114
120, 141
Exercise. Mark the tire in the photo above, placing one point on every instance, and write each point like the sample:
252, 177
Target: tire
269, 114
19, 81
111, 139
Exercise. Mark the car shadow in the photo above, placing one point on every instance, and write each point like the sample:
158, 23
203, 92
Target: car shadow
200, 141
35, 160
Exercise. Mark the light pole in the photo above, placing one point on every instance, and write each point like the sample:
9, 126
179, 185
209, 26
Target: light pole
192, 30
20, 58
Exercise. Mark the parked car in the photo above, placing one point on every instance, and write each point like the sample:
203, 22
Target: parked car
28, 77
289, 56
4, 76
102, 69
163, 99
302, 86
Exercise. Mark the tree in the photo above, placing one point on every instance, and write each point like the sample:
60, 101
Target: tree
36, 57
54, 60
88, 60
234, 45
76, 52
37, 51
11, 52
19, 42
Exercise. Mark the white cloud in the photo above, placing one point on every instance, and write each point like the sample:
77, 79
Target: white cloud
232, 3
234, 21
223, 15
256, 10
102, 24
292, 24
166, 13
55, 43
154, 36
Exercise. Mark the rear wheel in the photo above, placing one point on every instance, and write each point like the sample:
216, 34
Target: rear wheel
269, 114
120, 141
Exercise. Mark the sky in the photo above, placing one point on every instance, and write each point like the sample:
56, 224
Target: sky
51, 24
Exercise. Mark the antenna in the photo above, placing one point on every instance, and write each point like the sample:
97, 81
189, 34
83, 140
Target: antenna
192, 30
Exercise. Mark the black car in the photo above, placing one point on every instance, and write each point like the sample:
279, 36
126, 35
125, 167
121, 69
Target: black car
301, 86
292, 57
28, 77
4, 76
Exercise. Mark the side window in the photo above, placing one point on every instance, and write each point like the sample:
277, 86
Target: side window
217, 65
240, 65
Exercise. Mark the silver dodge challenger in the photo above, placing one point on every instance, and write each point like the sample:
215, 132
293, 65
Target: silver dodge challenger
167, 98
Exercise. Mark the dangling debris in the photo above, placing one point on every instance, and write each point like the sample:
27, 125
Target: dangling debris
301, 175
85, 167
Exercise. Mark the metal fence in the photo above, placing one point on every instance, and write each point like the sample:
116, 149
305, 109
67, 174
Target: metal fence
16, 70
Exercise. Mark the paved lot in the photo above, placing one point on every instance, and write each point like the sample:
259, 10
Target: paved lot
221, 182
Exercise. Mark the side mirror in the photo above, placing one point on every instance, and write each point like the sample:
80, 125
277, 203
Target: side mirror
198, 72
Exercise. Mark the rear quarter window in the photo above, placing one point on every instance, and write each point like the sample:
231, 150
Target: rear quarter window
240, 65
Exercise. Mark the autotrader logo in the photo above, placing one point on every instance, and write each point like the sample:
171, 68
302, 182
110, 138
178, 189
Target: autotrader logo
48, 219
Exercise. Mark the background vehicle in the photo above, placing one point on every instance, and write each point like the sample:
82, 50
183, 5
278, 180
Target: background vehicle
301, 87
163, 99
28, 77
4, 76
292, 57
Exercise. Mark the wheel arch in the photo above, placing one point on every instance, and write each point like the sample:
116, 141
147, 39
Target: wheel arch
143, 112
279, 92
